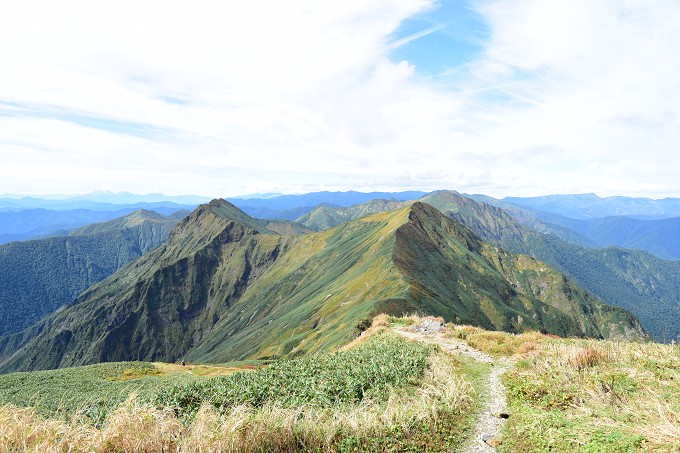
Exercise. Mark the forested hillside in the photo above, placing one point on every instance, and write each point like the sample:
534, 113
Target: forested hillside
38, 276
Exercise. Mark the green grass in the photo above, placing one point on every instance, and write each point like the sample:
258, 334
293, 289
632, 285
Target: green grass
91, 391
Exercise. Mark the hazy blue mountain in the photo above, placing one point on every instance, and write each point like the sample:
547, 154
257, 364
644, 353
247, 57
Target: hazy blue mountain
36, 277
33, 223
132, 198
660, 237
25, 224
588, 206
311, 200
100, 201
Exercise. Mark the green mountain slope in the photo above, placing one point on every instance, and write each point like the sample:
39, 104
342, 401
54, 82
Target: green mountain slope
327, 216
645, 285
36, 277
224, 287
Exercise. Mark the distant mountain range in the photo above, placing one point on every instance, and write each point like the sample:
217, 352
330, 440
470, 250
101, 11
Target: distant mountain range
25, 224
661, 237
655, 234
93, 200
225, 287
290, 207
36, 277
589, 206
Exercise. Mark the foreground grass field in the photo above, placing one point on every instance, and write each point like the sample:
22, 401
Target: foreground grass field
384, 394
380, 393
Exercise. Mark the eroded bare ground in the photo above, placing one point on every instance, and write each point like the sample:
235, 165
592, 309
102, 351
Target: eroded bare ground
490, 420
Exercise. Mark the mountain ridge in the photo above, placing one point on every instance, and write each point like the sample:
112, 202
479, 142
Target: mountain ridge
224, 287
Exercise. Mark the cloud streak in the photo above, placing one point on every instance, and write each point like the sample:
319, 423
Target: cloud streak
220, 98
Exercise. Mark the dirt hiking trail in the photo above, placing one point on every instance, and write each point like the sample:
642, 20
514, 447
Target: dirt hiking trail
487, 429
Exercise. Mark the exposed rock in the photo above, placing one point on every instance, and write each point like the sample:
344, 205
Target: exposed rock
492, 441
429, 325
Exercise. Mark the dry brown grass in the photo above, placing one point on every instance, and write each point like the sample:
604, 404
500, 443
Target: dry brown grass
380, 323
382, 320
587, 357
498, 343
22, 430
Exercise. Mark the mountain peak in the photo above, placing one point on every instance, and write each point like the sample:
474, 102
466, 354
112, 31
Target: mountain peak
221, 209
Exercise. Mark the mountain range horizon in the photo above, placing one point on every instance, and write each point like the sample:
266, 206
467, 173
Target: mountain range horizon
160, 196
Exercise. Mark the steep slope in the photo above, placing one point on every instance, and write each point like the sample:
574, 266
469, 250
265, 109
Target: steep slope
645, 285
540, 221
36, 277
286, 227
223, 287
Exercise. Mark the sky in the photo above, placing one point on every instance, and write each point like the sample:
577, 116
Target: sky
224, 98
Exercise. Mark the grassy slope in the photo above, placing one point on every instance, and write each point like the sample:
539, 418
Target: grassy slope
313, 298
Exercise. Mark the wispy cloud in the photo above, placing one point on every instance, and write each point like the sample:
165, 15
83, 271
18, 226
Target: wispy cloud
221, 98
417, 35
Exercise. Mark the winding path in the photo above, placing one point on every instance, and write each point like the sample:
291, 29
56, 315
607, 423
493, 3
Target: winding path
488, 425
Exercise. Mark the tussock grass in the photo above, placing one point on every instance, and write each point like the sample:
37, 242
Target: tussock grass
588, 356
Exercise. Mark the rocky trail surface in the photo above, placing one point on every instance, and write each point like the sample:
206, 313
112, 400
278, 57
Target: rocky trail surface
486, 434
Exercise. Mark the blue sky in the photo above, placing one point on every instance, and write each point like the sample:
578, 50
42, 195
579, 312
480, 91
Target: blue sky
440, 39
502, 97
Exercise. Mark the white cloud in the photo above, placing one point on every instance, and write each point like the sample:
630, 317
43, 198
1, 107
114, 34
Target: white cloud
221, 98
